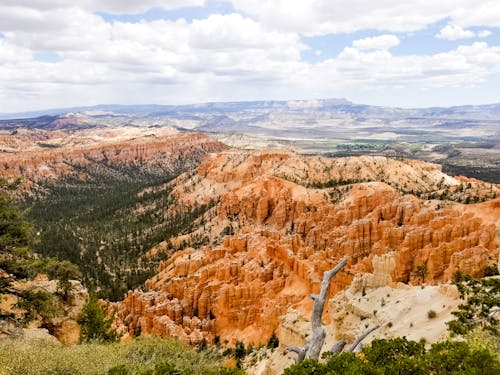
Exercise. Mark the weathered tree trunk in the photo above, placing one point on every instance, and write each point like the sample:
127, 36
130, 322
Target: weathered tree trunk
318, 332
313, 347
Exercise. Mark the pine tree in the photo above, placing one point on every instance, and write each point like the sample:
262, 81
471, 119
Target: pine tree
94, 322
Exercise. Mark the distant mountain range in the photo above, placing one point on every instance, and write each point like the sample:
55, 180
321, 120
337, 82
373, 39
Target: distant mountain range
298, 120
342, 105
467, 138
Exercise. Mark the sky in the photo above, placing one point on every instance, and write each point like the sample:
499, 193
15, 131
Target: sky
61, 53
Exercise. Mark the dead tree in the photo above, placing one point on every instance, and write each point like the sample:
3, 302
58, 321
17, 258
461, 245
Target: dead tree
313, 347
359, 339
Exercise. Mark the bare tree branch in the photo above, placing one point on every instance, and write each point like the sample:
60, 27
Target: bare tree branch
293, 348
337, 348
301, 352
359, 339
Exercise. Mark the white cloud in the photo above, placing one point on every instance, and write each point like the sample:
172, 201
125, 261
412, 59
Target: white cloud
464, 65
10, 53
454, 32
317, 17
381, 42
477, 13
220, 57
230, 31
484, 33
113, 6
207, 53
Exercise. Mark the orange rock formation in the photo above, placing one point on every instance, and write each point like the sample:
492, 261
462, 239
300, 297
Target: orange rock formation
287, 235
156, 155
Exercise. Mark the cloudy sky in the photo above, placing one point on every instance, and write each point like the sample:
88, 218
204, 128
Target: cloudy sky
54, 53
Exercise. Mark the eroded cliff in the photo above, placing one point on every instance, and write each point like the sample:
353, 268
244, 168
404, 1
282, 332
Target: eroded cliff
282, 219
110, 156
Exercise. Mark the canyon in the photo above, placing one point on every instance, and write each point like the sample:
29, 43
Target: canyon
111, 153
282, 219
192, 239
98, 198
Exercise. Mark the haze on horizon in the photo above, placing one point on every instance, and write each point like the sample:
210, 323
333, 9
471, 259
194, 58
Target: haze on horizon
56, 54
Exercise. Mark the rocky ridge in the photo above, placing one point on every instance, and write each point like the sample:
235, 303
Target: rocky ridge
119, 158
282, 219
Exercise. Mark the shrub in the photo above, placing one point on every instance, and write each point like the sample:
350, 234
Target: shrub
306, 367
64, 271
458, 357
403, 357
273, 342
348, 363
239, 350
481, 298
480, 339
383, 352
38, 303
94, 322
491, 270
431, 314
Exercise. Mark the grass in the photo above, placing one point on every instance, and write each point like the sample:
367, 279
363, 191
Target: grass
42, 357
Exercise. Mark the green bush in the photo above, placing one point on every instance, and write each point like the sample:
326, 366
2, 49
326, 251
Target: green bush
307, 366
64, 272
484, 340
94, 322
349, 364
491, 270
38, 303
481, 298
239, 350
450, 357
384, 352
402, 357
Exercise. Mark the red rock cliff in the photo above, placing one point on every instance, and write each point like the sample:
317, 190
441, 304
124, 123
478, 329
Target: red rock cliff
287, 235
161, 156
